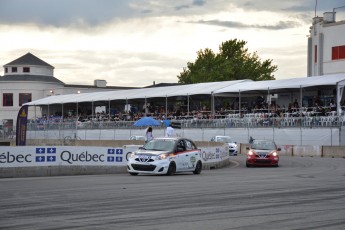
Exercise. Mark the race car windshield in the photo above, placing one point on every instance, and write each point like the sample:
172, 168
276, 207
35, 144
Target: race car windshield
264, 145
160, 145
224, 139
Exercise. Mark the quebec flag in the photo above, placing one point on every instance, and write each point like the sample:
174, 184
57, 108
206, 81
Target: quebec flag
118, 159
40, 150
119, 151
113, 155
51, 158
110, 159
45, 155
51, 150
40, 159
111, 151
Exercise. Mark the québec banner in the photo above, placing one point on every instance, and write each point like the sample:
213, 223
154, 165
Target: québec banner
27, 156
22, 121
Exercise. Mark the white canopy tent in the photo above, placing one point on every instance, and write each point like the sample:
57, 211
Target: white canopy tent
335, 80
212, 89
291, 83
168, 91
143, 93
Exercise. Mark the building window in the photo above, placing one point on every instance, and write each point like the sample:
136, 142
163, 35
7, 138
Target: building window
7, 125
24, 98
338, 52
26, 69
14, 69
315, 54
7, 99
6, 70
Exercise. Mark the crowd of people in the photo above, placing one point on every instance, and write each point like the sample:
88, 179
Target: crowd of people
259, 107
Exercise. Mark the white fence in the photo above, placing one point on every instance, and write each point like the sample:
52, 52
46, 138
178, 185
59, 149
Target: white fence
330, 136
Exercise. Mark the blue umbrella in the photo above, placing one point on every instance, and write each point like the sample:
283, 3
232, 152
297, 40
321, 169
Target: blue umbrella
166, 122
147, 121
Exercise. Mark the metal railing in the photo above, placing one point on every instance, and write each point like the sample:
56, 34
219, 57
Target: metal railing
245, 122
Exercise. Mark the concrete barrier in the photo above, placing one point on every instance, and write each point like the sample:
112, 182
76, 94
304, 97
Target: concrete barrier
59, 171
333, 151
307, 151
286, 150
215, 155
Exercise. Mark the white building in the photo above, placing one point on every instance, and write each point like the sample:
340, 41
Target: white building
326, 45
29, 78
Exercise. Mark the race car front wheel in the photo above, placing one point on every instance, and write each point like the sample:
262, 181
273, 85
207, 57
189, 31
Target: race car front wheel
198, 168
171, 169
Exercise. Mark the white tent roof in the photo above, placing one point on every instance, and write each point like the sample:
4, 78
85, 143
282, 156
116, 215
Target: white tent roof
194, 89
292, 83
168, 91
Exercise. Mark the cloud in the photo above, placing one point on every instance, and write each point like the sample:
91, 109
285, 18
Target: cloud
232, 24
181, 7
136, 42
199, 2
63, 12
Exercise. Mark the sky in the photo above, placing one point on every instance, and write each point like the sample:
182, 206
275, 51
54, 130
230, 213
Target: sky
137, 42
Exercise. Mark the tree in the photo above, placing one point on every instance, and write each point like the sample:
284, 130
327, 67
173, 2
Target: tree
233, 62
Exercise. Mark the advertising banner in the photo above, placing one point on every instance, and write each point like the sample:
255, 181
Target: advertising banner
22, 121
61, 156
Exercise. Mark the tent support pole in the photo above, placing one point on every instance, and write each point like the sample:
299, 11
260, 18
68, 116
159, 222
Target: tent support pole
301, 101
212, 106
239, 103
187, 105
339, 94
269, 97
92, 112
109, 109
166, 107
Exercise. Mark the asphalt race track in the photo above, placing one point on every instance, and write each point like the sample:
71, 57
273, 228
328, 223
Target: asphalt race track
303, 193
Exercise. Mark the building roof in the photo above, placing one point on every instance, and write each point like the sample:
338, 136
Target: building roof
27, 77
29, 59
96, 87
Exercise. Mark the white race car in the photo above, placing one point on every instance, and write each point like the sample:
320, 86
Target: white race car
233, 147
165, 156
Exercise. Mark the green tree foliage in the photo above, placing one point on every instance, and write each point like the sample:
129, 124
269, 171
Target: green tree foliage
233, 62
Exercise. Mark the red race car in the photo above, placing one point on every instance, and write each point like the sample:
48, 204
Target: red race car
262, 153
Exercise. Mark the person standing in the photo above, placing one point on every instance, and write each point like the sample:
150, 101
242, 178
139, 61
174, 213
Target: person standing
169, 131
148, 134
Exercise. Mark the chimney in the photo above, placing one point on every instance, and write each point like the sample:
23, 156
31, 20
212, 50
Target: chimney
100, 83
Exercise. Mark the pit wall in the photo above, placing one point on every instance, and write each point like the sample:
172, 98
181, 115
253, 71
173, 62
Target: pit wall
86, 158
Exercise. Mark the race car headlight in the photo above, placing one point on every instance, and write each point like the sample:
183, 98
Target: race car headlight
132, 155
274, 153
251, 153
162, 156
